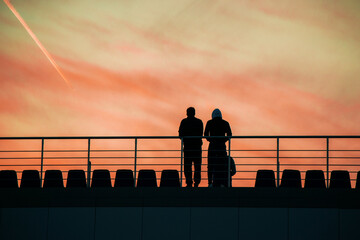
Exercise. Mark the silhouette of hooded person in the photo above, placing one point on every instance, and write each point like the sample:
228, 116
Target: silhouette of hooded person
192, 126
217, 156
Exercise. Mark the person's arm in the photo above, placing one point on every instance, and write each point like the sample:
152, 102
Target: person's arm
181, 129
200, 130
207, 131
229, 133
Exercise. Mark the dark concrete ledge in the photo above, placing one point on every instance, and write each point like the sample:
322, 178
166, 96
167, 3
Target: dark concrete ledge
182, 197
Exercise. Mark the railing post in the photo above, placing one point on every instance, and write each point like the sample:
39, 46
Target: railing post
327, 162
277, 162
182, 161
135, 161
42, 161
229, 163
88, 165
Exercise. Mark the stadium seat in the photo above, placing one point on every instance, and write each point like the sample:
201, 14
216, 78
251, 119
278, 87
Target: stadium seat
314, 179
340, 179
101, 178
146, 178
291, 179
169, 178
53, 179
265, 178
76, 179
30, 179
8, 179
124, 178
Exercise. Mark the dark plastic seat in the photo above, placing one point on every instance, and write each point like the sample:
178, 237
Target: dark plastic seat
30, 179
340, 179
101, 178
124, 178
76, 179
147, 178
170, 178
8, 179
53, 179
314, 179
291, 179
358, 180
265, 178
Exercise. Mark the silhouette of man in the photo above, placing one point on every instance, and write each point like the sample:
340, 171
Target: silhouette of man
217, 172
192, 126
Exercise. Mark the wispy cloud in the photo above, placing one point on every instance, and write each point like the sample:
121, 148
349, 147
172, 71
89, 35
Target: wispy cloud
272, 69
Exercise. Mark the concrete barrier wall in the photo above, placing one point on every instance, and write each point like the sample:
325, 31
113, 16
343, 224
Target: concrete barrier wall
182, 223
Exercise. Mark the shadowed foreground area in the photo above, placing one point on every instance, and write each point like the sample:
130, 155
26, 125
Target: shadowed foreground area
182, 197
179, 213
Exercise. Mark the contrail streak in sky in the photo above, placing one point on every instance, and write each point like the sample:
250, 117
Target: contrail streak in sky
37, 41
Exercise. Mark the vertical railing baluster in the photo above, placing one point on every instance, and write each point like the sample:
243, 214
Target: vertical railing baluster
181, 161
327, 162
229, 162
88, 165
135, 161
277, 162
42, 161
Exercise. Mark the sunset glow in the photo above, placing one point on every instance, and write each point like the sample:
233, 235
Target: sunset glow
290, 68
136, 67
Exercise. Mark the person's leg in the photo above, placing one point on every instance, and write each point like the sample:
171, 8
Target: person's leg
217, 172
223, 180
187, 167
220, 167
224, 168
197, 166
211, 157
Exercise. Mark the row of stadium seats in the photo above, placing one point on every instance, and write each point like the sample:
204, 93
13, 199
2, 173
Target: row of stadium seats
169, 178
100, 178
313, 179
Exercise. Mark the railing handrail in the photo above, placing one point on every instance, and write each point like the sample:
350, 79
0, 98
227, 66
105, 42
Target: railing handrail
181, 140
177, 137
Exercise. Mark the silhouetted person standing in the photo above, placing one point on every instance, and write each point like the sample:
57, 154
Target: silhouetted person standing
192, 126
217, 172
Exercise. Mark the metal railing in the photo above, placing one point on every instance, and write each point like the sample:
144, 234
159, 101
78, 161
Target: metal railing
250, 153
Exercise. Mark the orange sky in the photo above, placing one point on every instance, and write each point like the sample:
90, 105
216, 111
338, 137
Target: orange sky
271, 68
135, 66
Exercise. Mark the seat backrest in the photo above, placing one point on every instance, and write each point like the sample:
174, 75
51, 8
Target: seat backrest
265, 178
146, 178
76, 179
169, 178
291, 179
8, 179
124, 178
101, 178
340, 179
314, 179
53, 179
30, 179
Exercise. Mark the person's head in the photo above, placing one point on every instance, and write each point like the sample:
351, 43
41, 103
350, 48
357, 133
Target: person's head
190, 112
216, 113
